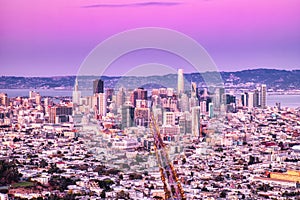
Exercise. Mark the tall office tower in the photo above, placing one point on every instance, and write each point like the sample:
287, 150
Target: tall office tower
32, 94
120, 97
47, 104
193, 101
196, 120
98, 86
109, 95
76, 93
250, 100
256, 98
180, 82
244, 98
101, 104
169, 118
59, 114
184, 103
140, 94
219, 97
127, 113
141, 116
38, 99
4, 101
194, 89
203, 107
263, 96
211, 110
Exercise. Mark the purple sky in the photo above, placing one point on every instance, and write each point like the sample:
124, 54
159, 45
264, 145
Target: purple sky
53, 38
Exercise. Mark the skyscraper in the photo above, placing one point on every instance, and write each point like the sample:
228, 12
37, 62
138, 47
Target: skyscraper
127, 113
196, 111
194, 89
180, 86
138, 94
76, 93
263, 96
120, 97
98, 86
4, 99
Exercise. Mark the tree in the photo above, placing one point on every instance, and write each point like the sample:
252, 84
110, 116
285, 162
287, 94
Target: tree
223, 194
123, 195
8, 172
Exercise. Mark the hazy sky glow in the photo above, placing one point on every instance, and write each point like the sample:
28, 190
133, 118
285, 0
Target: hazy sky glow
53, 38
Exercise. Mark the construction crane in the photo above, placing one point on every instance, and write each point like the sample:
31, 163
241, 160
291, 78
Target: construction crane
172, 186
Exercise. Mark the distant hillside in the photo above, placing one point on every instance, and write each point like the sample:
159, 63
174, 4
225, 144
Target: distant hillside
276, 79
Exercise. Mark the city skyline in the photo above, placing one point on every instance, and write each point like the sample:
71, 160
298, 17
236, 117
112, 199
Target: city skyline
53, 39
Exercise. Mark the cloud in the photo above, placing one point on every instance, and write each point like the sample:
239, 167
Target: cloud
142, 4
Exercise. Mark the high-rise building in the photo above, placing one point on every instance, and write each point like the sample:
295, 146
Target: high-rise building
211, 110
101, 104
141, 116
169, 118
138, 94
59, 114
109, 96
127, 113
250, 99
76, 93
263, 96
4, 99
32, 94
196, 111
38, 99
120, 97
256, 98
98, 86
194, 89
219, 97
180, 82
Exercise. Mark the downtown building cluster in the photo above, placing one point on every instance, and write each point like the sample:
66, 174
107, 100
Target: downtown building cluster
222, 145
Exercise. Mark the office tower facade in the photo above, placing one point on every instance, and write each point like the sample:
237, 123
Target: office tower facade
219, 97
184, 103
120, 97
169, 118
32, 94
256, 98
211, 110
141, 116
250, 98
263, 96
196, 115
127, 113
109, 94
101, 104
38, 99
194, 89
4, 101
138, 94
180, 82
76, 94
98, 86
203, 107
59, 114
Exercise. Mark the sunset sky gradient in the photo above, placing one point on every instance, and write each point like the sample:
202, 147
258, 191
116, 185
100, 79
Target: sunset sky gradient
48, 38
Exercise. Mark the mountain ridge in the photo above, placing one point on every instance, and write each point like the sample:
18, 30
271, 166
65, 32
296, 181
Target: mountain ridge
274, 78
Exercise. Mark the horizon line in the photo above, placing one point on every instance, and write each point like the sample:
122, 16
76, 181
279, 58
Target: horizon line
54, 76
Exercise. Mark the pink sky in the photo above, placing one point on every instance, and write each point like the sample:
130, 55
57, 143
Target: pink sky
53, 38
